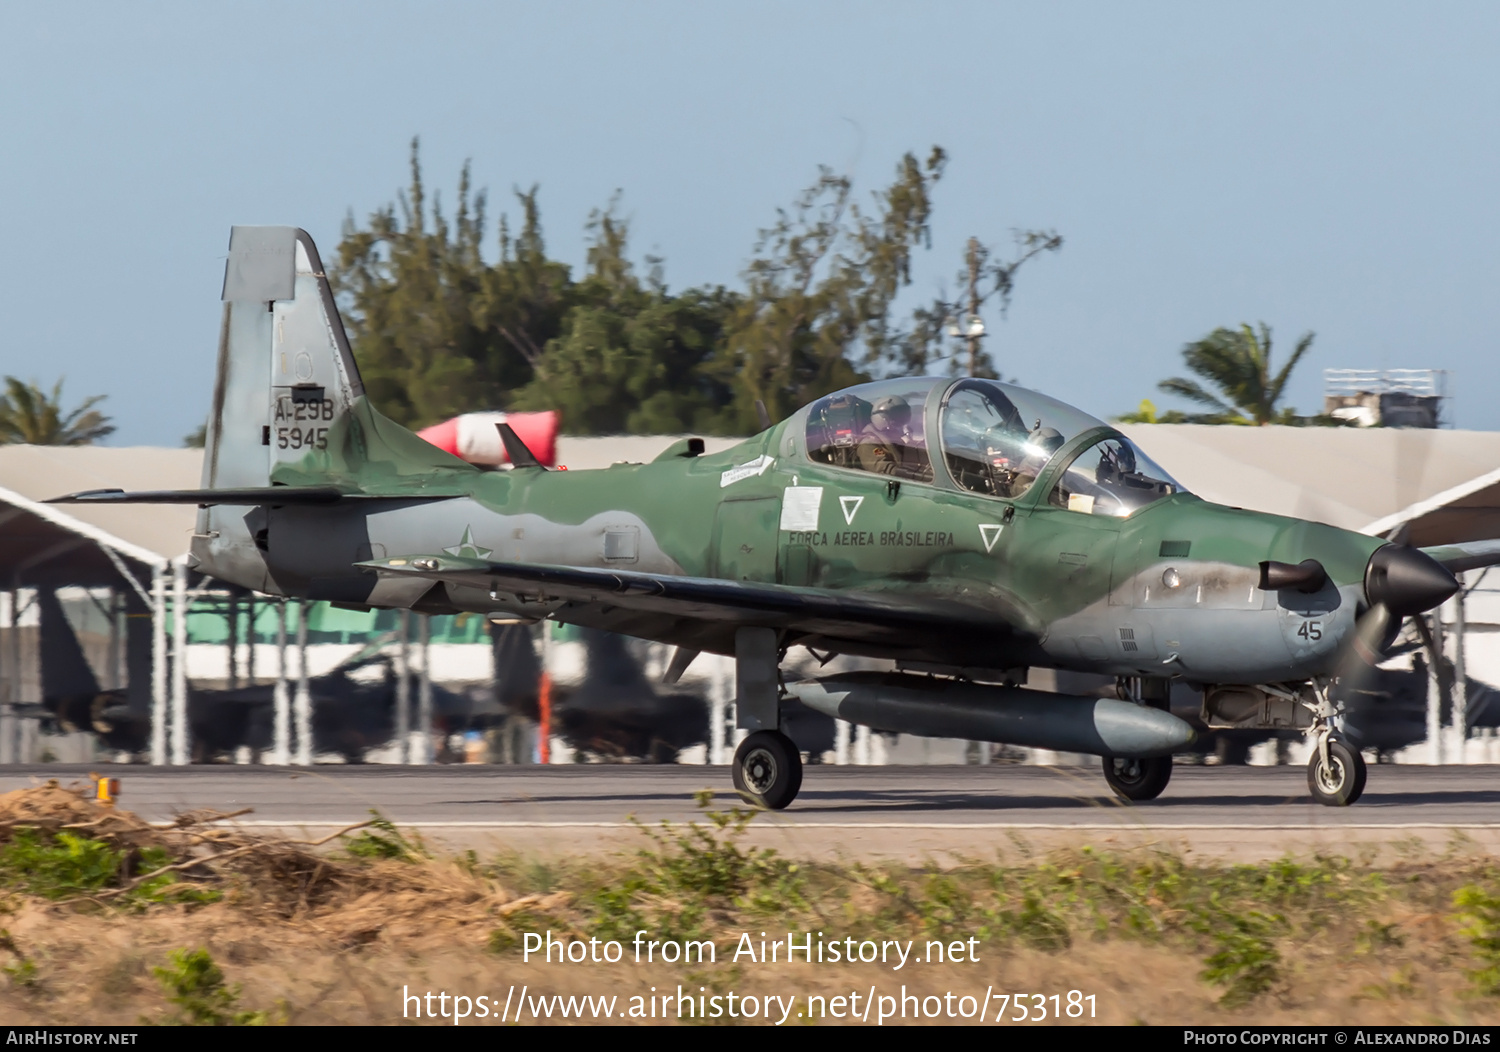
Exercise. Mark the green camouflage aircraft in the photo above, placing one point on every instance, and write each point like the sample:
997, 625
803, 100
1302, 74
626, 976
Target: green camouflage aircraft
966, 530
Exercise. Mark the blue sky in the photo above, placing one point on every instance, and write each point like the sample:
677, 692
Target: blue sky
1326, 167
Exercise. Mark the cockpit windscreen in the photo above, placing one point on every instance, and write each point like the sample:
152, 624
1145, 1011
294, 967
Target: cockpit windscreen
1111, 477
997, 438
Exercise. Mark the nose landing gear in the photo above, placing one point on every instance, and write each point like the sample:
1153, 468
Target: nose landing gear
1336, 770
1338, 778
1336, 773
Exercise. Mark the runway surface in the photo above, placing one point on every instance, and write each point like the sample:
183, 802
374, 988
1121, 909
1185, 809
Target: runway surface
909, 813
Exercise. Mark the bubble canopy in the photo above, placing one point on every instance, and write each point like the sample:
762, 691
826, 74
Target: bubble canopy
993, 438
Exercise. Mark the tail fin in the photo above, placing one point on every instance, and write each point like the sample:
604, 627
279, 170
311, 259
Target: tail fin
285, 367
288, 404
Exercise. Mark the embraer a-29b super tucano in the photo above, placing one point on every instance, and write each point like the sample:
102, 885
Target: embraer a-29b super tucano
965, 529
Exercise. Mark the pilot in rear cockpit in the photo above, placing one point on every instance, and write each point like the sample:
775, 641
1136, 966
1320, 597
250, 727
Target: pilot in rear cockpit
887, 445
884, 437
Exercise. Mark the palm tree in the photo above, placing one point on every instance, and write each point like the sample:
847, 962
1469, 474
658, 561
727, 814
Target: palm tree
29, 415
1147, 414
1238, 364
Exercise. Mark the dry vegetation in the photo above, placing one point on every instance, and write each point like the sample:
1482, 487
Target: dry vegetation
110, 920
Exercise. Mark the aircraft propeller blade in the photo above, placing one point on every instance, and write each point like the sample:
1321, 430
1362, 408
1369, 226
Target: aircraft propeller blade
1363, 651
1400, 582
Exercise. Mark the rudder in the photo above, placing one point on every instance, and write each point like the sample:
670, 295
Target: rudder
286, 373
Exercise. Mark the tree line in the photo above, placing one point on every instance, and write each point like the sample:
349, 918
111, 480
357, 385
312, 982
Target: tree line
439, 329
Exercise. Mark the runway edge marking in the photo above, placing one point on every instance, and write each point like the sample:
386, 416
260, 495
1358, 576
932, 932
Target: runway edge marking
1114, 826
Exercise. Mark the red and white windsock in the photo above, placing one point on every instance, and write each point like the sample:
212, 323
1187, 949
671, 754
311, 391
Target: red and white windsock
474, 437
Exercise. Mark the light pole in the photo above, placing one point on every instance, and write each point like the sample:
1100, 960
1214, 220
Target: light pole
971, 329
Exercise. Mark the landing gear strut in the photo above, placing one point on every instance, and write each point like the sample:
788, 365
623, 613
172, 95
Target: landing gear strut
1336, 771
768, 770
1138, 779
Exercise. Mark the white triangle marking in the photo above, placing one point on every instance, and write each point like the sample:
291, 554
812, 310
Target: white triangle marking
851, 507
990, 531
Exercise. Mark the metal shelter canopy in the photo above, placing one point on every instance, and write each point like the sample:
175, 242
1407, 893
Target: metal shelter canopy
50, 544
47, 546
1446, 484
1469, 511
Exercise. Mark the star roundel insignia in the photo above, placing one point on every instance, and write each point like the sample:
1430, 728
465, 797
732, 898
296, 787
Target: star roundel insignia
467, 549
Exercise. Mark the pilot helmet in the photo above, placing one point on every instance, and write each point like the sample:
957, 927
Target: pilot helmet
1119, 457
1045, 441
890, 413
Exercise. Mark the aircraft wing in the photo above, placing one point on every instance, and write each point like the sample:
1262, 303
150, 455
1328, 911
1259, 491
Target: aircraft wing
1470, 555
908, 622
244, 495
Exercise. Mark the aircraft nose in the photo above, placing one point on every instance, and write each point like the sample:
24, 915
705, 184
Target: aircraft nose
1406, 581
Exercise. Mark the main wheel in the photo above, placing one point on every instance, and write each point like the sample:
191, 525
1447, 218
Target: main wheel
768, 770
1138, 779
1342, 781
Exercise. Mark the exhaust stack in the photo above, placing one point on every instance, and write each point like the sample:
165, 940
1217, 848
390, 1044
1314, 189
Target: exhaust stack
939, 708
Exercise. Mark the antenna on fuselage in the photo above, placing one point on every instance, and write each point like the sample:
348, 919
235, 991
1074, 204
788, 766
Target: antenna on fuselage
518, 452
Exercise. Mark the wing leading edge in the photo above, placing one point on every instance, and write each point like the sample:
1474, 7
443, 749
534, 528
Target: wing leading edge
245, 495
1468, 555
904, 621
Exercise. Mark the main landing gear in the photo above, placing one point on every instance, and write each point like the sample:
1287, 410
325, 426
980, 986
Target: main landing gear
768, 770
1140, 779
1137, 780
767, 767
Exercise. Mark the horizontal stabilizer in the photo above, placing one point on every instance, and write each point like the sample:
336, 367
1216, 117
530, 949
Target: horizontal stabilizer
205, 498
1470, 555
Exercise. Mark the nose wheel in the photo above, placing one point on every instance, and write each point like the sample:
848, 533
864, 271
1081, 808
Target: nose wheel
1335, 774
1336, 770
767, 770
1137, 779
